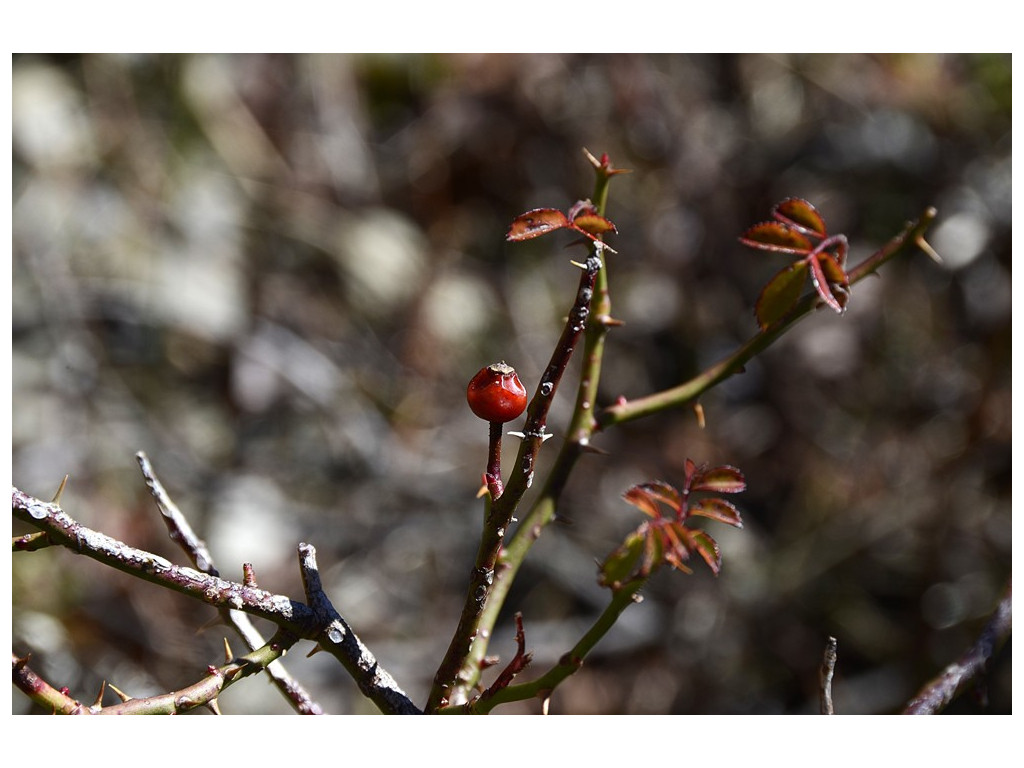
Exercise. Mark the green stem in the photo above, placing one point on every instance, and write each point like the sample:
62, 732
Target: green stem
581, 428
460, 668
689, 391
202, 693
542, 687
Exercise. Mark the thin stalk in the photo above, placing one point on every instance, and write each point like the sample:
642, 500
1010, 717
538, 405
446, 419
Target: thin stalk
566, 666
492, 476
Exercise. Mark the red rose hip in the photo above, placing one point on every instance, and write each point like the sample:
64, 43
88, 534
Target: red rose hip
495, 394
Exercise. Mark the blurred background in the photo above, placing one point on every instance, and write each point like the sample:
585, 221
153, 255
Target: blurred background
275, 274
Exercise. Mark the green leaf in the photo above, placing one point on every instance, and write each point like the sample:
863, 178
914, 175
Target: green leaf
717, 509
801, 214
781, 293
723, 479
628, 561
776, 237
707, 548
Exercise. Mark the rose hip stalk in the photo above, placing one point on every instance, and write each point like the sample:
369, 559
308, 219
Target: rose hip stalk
496, 395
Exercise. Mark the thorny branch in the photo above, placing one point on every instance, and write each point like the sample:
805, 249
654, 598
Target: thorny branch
960, 674
181, 533
292, 617
592, 311
828, 668
338, 639
202, 693
452, 674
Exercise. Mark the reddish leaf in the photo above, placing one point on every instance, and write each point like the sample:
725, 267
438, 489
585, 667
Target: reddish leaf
536, 223
639, 499
707, 548
833, 271
840, 243
646, 496
581, 207
723, 479
836, 299
717, 509
777, 237
800, 214
592, 224
781, 293
677, 545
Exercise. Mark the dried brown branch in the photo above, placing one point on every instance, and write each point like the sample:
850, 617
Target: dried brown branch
203, 693
321, 622
181, 532
828, 668
960, 674
338, 639
518, 663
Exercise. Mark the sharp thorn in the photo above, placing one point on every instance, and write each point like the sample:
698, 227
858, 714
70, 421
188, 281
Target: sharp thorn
60, 490
99, 696
120, 694
924, 246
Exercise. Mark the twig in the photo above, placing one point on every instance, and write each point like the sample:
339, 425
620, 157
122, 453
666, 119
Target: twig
289, 615
182, 533
828, 668
204, 693
41, 692
934, 696
178, 527
689, 391
147, 566
518, 663
623, 597
338, 639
